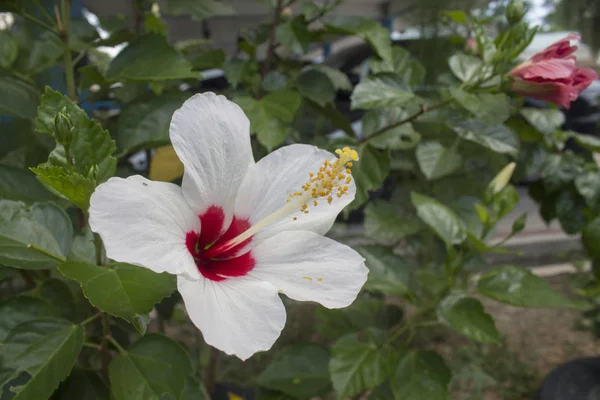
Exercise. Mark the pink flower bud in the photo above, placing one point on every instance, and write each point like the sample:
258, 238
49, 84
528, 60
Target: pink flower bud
552, 74
471, 46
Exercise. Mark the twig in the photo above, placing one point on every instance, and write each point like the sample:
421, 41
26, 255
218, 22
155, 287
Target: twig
62, 21
416, 115
104, 354
272, 43
211, 372
40, 23
116, 344
91, 319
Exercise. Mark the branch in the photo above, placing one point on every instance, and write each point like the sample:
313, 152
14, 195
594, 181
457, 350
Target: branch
272, 43
416, 115
63, 30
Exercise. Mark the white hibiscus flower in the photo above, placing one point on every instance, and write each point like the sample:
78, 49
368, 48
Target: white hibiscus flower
237, 232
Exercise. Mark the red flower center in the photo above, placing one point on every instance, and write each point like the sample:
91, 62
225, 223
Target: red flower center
218, 266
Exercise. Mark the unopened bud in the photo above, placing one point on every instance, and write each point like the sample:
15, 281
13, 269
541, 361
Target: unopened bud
501, 180
286, 12
515, 12
63, 127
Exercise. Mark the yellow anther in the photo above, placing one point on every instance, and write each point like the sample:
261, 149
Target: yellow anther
308, 278
330, 179
320, 279
295, 219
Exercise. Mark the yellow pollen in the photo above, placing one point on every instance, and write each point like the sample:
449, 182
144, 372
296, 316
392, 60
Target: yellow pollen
330, 179
320, 279
308, 278
295, 219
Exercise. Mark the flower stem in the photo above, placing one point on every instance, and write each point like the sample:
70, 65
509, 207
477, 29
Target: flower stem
44, 252
63, 30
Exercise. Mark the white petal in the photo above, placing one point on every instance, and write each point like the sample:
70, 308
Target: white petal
211, 136
271, 180
310, 267
143, 222
239, 316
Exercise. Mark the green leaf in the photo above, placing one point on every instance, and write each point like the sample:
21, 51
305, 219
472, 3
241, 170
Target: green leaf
339, 79
588, 186
490, 108
300, 372
43, 226
388, 272
282, 104
421, 375
383, 223
519, 287
589, 142
467, 316
199, 10
73, 186
145, 123
294, 35
21, 309
357, 365
485, 44
497, 138
122, 290
560, 170
402, 137
546, 121
91, 147
468, 68
235, 70
437, 161
153, 368
149, 58
365, 312
368, 29
411, 71
19, 99
274, 80
46, 349
590, 236
570, 211
310, 10
316, 85
58, 294
83, 248
82, 385
381, 91
20, 184
441, 219
8, 50
209, 59
194, 390
369, 172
